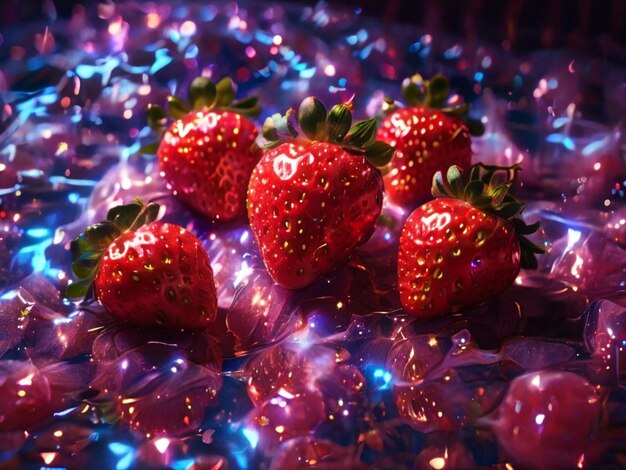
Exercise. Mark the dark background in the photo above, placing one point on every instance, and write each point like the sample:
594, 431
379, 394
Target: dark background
594, 26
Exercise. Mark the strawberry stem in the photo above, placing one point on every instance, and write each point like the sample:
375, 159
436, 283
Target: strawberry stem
88, 248
488, 189
435, 93
334, 127
202, 94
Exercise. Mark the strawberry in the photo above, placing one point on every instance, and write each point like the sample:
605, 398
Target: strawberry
312, 201
206, 155
144, 272
466, 246
426, 139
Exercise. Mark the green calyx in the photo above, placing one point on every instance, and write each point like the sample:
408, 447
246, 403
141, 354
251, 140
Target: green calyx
202, 94
334, 126
488, 189
435, 93
88, 248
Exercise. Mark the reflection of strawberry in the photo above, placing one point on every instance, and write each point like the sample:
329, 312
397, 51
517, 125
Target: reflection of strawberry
145, 272
206, 155
426, 139
312, 202
464, 247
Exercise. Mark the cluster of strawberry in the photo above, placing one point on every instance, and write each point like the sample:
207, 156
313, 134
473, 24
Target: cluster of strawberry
312, 198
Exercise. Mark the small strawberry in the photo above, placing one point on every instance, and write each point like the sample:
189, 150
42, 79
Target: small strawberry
312, 202
430, 135
466, 246
207, 154
144, 272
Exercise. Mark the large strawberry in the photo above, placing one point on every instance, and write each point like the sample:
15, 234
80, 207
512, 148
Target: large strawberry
430, 135
207, 154
466, 246
312, 201
144, 272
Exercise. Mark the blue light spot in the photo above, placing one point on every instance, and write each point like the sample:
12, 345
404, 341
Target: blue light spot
387, 236
342, 82
124, 451
593, 147
553, 83
161, 60
38, 232
191, 52
264, 38
184, 464
119, 449
366, 51
454, 52
386, 377
252, 436
73, 197
9, 295
352, 40
362, 35
308, 73
564, 140
415, 47
478, 76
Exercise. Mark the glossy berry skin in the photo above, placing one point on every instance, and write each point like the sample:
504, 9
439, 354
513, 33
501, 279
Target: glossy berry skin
547, 420
426, 141
310, 204
157, 275
207, 159
453, 255
25, 396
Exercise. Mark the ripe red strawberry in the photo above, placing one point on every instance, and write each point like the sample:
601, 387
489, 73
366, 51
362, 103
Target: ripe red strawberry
144, 272
206, 155
312, 202
426, 140
464, 247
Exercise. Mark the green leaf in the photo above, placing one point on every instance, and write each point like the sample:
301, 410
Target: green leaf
475, 126
80, 245
455, 180
102, 234
124, 216
437, 92
177, 108
312, 118
77, 290
456, 111
473, 189
276, 127
338, 122
226, 90
508, 210
439, 188
156, 117
498, 194
361, 134
523, 229
412, 90
379, 153
150, 149
148, 215
83, 271
202, 93
248, 106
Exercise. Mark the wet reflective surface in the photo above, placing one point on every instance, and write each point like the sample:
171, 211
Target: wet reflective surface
335, 374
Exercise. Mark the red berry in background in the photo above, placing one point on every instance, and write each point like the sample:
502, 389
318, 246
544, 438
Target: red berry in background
464, 247
145, 272
207, 154
547, 420
312, 202
426, 139
25, 396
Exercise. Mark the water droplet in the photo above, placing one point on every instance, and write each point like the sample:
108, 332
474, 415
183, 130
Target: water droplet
480, 238
476, 262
